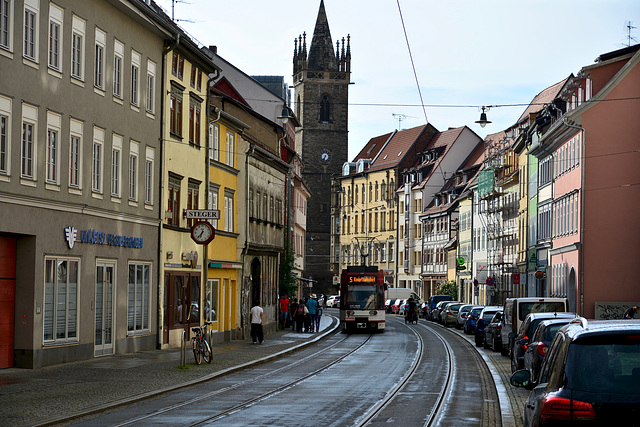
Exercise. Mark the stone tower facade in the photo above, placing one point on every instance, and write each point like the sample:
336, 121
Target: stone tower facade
321, 79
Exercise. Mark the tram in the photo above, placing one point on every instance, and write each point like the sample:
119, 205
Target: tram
362, 299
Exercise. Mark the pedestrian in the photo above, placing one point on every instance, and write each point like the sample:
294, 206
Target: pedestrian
312, 305
631, 312
292, 311
300, 316
257, 317
284, 311
318, 316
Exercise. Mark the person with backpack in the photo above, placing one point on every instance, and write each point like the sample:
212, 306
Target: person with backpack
312, 305
300, 316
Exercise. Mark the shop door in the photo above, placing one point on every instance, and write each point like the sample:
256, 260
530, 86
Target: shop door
7, 299
105, 276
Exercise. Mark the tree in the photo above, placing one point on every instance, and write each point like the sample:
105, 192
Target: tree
288, 279
448, 288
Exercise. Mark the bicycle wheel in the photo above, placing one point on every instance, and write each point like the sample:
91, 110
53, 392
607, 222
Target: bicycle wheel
197, 352
206, 351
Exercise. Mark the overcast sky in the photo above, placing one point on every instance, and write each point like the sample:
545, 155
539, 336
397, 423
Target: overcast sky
467, 53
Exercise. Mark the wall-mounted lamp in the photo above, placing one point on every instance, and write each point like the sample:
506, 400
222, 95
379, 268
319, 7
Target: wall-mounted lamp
483, 117
285, 116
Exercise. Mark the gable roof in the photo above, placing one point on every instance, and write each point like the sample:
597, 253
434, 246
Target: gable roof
373, 147
397, 147
224, 85
543, 98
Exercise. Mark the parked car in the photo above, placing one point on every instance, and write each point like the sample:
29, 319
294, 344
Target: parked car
333, 301
395, 308
516, 309
483, 319
403, 307
450, 314
491, 338
469, 326
387, 306
590, 376
534, 354
424, 312
433, 314
528, 327
462, 314
433, 302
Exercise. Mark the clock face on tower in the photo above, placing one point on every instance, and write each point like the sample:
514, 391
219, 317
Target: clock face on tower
325, 156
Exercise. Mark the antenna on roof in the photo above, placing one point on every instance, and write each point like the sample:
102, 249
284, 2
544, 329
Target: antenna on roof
401, 117
628, 25
173, 6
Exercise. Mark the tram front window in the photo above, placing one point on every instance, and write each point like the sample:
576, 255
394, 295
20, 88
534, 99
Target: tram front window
361, 297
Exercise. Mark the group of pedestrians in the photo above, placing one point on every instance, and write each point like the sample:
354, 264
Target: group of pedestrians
301, 316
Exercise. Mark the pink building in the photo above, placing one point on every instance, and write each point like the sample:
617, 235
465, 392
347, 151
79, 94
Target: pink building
595, 167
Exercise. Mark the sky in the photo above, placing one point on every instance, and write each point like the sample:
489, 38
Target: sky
466, 53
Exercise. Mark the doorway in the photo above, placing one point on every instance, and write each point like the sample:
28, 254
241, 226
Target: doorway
7, 299
105, 277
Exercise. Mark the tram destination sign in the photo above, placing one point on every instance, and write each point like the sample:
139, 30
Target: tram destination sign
362, 279
202, 213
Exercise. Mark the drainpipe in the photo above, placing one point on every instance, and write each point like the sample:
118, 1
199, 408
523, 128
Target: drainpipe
161, 184
584, 137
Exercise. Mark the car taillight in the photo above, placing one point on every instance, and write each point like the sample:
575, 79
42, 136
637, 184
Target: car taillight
499, 328
542, 349
525, 346
472, 317
559, 408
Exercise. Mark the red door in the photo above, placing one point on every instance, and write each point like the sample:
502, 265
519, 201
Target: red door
7, 299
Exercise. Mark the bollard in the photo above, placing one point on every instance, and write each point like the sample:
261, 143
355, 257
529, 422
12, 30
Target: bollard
183, 350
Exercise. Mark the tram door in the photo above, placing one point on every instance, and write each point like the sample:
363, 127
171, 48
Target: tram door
105, 276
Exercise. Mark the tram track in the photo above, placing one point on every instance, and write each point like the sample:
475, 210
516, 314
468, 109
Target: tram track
249, 402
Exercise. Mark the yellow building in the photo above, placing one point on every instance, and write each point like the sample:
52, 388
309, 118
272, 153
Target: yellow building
184, 185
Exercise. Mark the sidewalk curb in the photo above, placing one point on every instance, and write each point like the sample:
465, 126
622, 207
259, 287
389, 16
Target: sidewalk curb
335, 323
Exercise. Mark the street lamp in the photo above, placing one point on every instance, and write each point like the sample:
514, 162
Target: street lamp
483, 117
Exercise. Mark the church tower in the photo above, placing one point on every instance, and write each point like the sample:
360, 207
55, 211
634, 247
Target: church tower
321, 81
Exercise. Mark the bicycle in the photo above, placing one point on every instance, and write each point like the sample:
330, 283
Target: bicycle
201, 347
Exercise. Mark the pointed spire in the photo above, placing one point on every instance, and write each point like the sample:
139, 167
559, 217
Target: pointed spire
321, 54
295, 56
343, 58
348, 69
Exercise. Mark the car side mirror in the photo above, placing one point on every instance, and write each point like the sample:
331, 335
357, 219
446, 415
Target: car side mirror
520, 378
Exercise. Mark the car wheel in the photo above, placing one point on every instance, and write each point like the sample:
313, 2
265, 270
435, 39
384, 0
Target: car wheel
504, 351
478, 342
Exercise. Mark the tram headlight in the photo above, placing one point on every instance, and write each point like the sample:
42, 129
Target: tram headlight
373, 312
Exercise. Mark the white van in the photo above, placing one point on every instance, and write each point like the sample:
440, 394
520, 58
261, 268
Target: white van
515, 310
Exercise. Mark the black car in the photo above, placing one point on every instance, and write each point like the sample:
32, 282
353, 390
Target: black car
483, 319
591, 376
469, 326
491, 338
528, 327
536, 352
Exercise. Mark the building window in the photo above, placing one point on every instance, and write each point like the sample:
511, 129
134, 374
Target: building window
194, 123
77, 48
6, 19
118, 55
230, 149
325, 109
28, 154
116, 165
193, 193
52, 153
5, 134
214, 140
211, 300
151, 86
148, 176
177, 65
96, 167
135, 78
61, 300
138, 298
228, 212
75, 153
98, 72
31, 33
133, 171
56, 15
199, 84
213, 202
175, 123
173, 217
194, 72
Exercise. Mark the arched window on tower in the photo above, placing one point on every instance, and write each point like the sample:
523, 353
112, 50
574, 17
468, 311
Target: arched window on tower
298, 108
325, 108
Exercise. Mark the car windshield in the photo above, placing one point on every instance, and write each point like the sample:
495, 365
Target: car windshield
362, 297
476, 311
488, 315
604, 364
540, 307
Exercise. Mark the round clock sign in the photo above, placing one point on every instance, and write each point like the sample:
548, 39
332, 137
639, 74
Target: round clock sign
202, 232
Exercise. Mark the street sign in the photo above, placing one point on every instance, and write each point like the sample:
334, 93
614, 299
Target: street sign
202, 213
461, 261
490, 281
475, 282
516, 278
